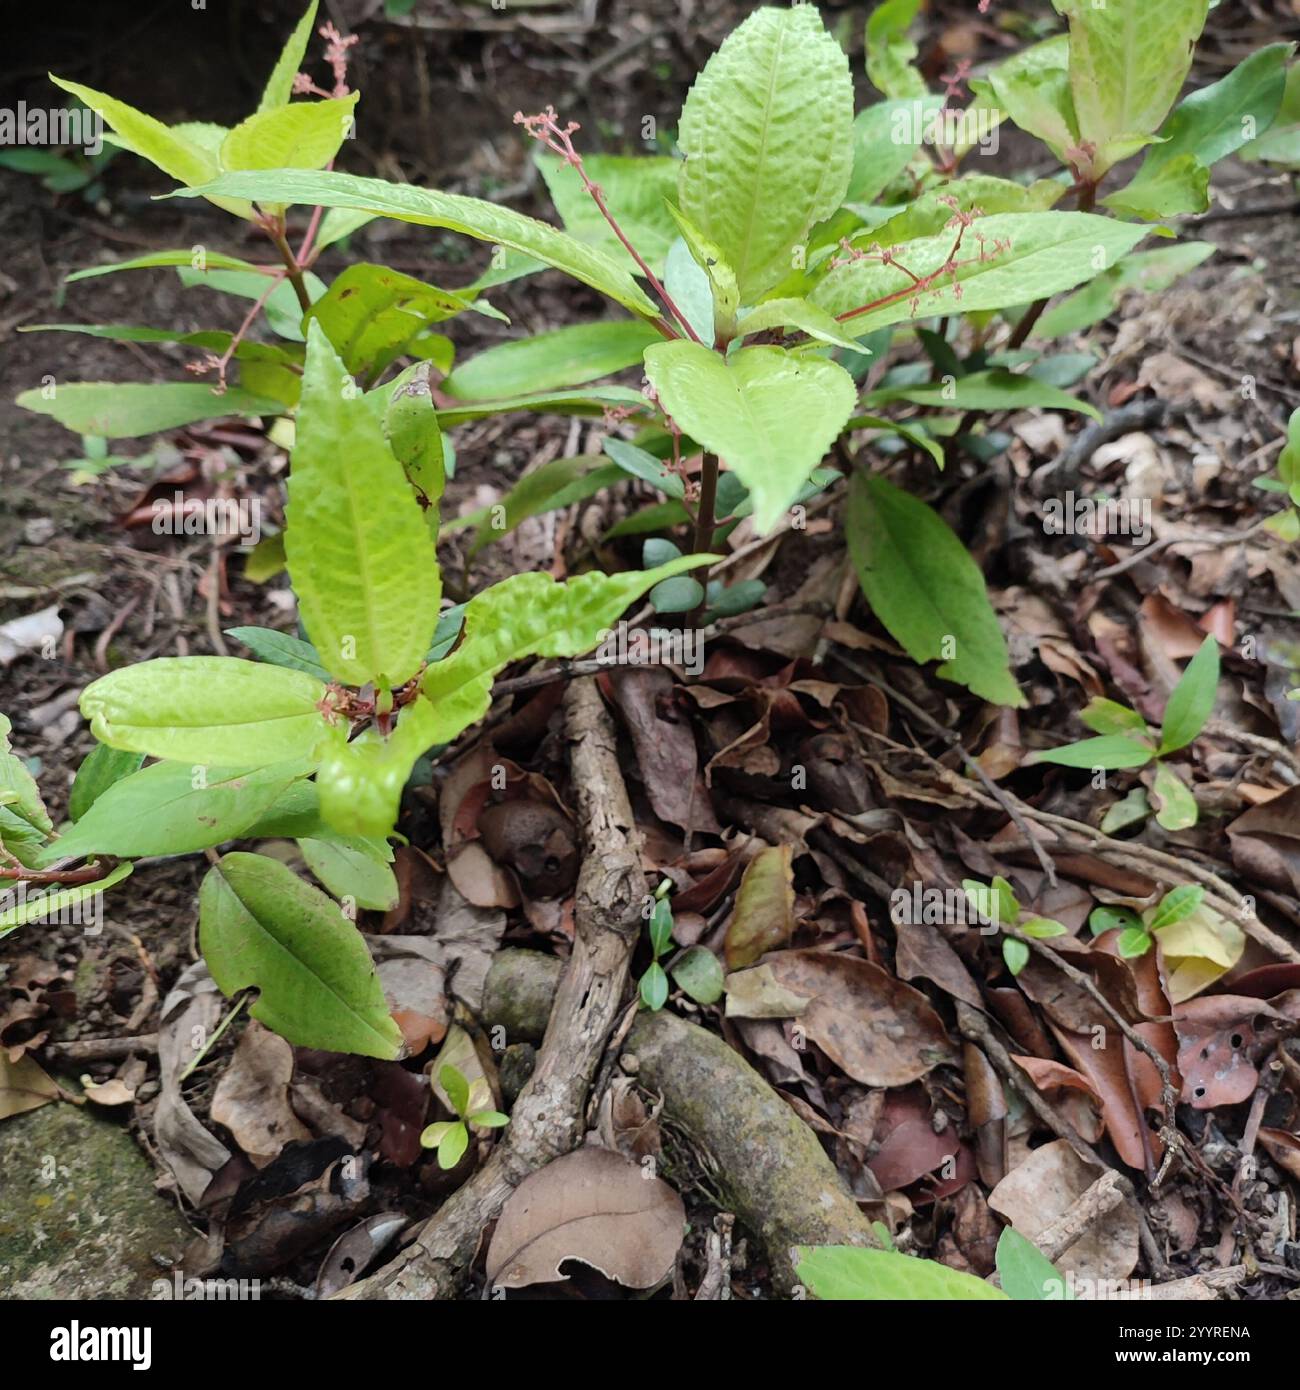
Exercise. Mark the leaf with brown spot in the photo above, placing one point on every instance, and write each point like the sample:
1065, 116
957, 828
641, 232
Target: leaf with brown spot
593, 1206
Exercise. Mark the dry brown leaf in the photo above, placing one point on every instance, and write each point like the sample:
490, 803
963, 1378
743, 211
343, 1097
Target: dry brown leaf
23, 1086
252, 1097
764, 915
590, 1205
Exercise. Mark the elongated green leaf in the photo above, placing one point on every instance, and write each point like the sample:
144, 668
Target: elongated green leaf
582, 400
1104, 716
174, 152
261, 926
634, 188
198, 259
1128, 59
18, 790
279, 86
1280, 143
372, 314
430, 208
991, 390
1033, 88
724, 289
551, 361
354, 868
1048, 252
102, 767
214, 710
1026, 1273
305, 135
55, 904
280, 649
849, 1272
1192, 699
554, 485
174, 808
1176, 906
530, 615
932, 213
767, 131
797, 314
885, 137
770, 415
365, 575
923, 585
890, 53
642, 464
1108, 751
414, 434
1168, 190
1141, 271
113, 410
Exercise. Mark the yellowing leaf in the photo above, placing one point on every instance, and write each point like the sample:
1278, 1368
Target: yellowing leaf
303, 135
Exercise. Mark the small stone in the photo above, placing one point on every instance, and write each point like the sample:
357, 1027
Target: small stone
629, 1063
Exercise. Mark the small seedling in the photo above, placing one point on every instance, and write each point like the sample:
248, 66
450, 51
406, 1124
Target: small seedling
451, 1137
997, 905
1136, 934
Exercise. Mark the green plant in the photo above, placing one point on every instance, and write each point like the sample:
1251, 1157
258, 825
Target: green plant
451, 1137
1124, 741
996, 904
850, 1272
1286, 523
1136, 934
696, 970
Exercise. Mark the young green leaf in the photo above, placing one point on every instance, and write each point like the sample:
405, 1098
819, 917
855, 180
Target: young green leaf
489, 1119
126, 410
769, 415
215, 710
261, 926
280, 649
1026, 1273
848, 1272
414, 434
1192, 699
430, 208
457, 1088
551, 361
1105, 716
196, 259
634, 188
767, 131
366, 577
1176, 906
698, 972
1133, 942
989, 390
452, 1147
174, 808
885, 137
1042, 928
1015, 954
654, 988
355, 868
1109, 751
799, 315
1104, 919
50, 905
18, 790
1177, 805
925, 588
304, 135
102, 767
641, 464
890, 53
279, 86
1033, 88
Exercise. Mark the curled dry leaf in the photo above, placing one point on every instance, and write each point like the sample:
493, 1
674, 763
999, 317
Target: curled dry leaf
252, 1097
355, 1250
1220, 1040
590, 1205
877, 1029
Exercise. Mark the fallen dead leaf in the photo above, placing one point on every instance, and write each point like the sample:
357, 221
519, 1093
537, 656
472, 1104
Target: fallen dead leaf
252, 1097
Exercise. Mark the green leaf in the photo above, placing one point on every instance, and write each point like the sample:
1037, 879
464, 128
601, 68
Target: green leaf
414, 434
530, 615
688, 284
1105, 716
457, 1088
198, 258
430, 208
1026, 1273
699, 973
994, 903
1288, 461
551, 361
798, 314
847, 1272
305, 135
175, 153
373, 315
1280, 144
767, 131
354, 868
1109, 751
1192, 699
1178, 809
433, 1135
634, 188
586, 400
654, 988
1048, 252
1015, 954
51, 905
452, 1148
890, 53
489, 1119
1033, 88
102, 767
360, 782
1133, 942
1169, 190
339, 223
1176, 906
281, 308
279, 86
280, 649
989, 390
555, 484
18, 790
365, 575
724, 290
1104, 919
982, 195
661, 927
885, 137
925, 588
769, 415
1140, 271
1042, 928
215, 710
261, 926
174, 808
126, 410
645, 466
1128, 59
1129, 810
680, 594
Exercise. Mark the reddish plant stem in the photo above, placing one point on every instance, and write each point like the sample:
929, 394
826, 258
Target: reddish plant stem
704, 525
1085, 201
291, 267
90, 874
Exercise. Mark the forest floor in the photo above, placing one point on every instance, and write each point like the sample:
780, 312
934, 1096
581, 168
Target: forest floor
938, 1153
